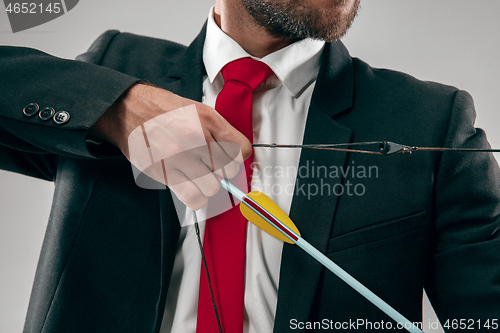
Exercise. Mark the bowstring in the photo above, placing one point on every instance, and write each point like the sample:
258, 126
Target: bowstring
380, 151
197, 228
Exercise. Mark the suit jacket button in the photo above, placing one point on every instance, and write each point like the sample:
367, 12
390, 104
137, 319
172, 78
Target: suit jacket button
46, 113
61, 117
31, 109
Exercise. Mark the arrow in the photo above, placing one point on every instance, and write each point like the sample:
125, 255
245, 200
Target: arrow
265, 214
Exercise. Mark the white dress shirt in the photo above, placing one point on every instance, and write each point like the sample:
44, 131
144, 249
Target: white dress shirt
280, 107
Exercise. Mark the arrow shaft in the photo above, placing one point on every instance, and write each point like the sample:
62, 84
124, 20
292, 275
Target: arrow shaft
356, 285
228, 186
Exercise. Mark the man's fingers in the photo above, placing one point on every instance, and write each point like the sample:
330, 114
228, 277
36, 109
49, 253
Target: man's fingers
224, 158
207, 184
193, 191
201, 175
222, 131
236, 137
187, 191
232, 150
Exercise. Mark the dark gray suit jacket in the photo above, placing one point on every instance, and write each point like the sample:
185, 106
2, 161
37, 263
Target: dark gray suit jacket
421, 220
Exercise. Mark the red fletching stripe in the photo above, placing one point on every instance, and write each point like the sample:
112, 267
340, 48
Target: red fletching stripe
270, 218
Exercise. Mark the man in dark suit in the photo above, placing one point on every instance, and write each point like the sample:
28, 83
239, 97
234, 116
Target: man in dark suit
428, 220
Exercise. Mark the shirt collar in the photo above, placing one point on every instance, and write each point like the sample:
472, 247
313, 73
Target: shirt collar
296, 65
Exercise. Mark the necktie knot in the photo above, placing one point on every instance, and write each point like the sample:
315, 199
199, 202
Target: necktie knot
248, 71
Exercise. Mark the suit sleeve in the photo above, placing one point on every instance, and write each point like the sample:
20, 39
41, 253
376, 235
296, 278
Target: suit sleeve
83, 89
463, 278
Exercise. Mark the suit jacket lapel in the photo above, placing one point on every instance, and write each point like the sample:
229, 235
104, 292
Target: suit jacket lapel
313, 209
186, 76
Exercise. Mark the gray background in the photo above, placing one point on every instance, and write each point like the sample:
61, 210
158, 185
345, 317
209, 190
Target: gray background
451, 41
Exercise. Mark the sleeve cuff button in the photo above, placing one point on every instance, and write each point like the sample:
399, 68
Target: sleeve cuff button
61, 117
31, 109
46, 113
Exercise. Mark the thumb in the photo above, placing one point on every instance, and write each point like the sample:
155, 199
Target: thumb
222, 131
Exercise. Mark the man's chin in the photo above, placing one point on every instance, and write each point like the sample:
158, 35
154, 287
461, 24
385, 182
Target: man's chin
292, 20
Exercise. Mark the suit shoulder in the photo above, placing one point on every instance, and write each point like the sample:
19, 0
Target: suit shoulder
403, 106
398, 83
131, 53
138, 43
98, 48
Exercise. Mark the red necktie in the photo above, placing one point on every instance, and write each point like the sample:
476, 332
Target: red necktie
225, 234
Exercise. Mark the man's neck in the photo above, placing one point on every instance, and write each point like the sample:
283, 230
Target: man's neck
233, 18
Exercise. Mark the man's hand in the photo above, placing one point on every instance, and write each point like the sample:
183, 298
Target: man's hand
189, 138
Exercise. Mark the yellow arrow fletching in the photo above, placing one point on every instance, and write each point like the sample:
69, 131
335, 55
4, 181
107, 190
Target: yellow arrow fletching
265, 202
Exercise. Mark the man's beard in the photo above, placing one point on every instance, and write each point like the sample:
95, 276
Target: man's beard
290, 19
